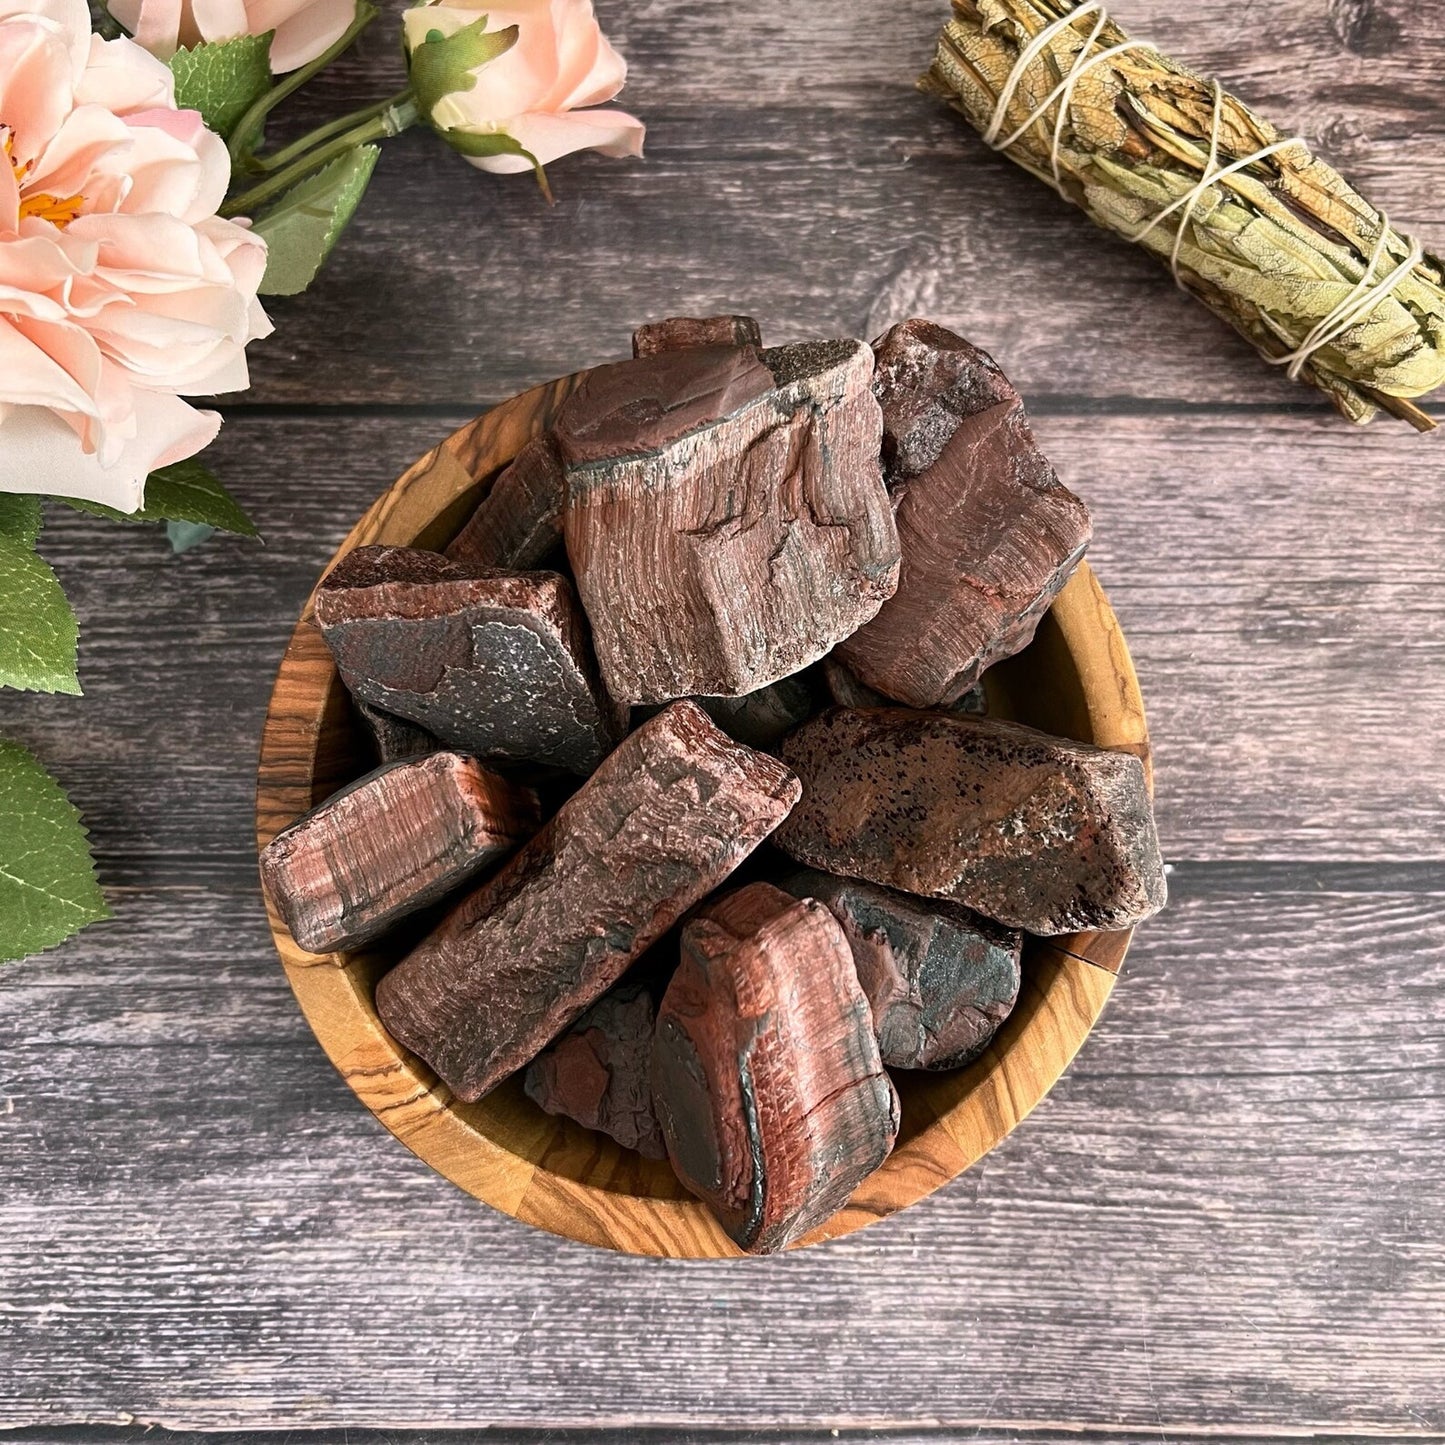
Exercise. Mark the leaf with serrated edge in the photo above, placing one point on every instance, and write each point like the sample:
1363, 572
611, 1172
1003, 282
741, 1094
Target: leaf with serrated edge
304, 225
38, 634
47, 879
19, 518
185, 492
223, 79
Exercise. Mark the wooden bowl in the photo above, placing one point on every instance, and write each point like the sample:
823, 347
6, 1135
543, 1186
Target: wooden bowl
1076, 679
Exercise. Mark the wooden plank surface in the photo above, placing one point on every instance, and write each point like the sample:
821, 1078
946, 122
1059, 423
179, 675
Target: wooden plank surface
1223, 1222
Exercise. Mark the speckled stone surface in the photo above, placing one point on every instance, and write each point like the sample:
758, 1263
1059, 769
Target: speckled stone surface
1032, 831
766, 1074
492, 663
599, 1072
726, 517
665, 819
392, 842
939, 978
518, 524
678, 333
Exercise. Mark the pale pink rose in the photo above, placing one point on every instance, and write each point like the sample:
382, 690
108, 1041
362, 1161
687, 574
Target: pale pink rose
121, 290
304, 28
535, 92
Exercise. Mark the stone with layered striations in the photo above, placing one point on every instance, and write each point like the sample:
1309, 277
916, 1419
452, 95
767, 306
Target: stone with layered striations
668, 815
599, 1072
518, 524
939, 978
492, 663
989, 534
1032, 831
766, 1075
391, 843
726, 517
681, 333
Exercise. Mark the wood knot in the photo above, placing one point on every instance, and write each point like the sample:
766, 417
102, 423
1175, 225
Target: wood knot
1364, 27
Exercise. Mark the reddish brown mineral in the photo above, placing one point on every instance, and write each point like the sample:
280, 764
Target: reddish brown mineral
491, 663
394, 841
662, 822
394, 739
680, 333
766, 1075
726, 517
847, 691
939, 978
1032, 831
989, 534
518, 524
598, 1072
761, 719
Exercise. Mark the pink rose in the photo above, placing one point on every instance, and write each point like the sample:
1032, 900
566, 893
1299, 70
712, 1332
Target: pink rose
304, 28
121, 291
533, 93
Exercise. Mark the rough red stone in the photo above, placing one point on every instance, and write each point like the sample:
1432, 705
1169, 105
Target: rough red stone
726, 518
491, 663
989, 536
939, 978
766, 1075
393, 739
394, 841
668, 815
1032, 831
847, 691
680, 333
599, 1071
761, 719
518, 524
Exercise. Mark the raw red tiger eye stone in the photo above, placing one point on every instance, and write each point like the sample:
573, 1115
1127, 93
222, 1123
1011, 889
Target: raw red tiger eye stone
847, 691
939, 978
681, 333
665, 818
1032, 831
766, 1075
726, 517
393, 739
598, 1072
989, 534
394, 841
492, 663
518, 524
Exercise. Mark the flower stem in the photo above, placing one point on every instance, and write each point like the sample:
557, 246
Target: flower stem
287, 154
249, 126
396, 118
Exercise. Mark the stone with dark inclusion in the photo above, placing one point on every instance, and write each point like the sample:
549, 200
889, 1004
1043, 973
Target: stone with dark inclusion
845, 690
492, 663
391, 843
761, 719
518, 524
393, 739
766, 1074
726, 517
679, 333
939, 978
669, 814
989, 535
599, 1072
1032, 831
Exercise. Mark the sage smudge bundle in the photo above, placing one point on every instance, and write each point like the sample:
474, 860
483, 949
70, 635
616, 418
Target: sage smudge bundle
1269, 237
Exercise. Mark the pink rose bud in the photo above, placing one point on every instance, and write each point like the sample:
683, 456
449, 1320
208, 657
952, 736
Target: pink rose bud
304, 28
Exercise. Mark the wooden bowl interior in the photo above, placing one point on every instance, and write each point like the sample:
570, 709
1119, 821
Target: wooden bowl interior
1075, 680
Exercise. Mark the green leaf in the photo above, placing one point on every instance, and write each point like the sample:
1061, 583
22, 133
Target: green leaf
222, 80
185, 492
494, 143
307, 221
38, 633
19, 518
47, 878
443, 65
185, 535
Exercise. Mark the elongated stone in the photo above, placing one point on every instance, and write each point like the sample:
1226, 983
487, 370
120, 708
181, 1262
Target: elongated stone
599, 1071
1032, 831
518, 524
766, 1074
939, 978
989, 537
726, 517
394, 739
668, 815
394, 841
680, 333
492, 663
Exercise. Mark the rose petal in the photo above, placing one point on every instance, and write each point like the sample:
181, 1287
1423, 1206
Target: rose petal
613, 132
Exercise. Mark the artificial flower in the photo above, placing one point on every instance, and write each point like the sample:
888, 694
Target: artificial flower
304, 28
121, 290
521, 103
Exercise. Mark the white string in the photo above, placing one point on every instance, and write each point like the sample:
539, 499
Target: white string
1027, 56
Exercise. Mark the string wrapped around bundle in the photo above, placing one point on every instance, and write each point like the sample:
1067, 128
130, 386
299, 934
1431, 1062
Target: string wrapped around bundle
1269, 237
